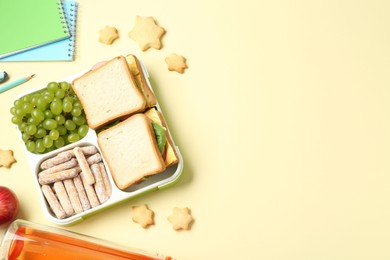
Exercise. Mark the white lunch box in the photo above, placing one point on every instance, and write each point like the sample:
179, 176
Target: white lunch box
155, 182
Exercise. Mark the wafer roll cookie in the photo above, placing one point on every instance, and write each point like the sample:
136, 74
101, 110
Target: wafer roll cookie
55, 161
84, 166
61, 167
58, 176
94, 158
106, 182
62, 196
87, 150
99, 184
73, 196
81, 192
53, 202
90, 191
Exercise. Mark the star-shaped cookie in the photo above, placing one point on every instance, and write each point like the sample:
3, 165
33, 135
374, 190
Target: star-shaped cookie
176, 63
6, 158
142, 215
180, 218
147, 33
108, 34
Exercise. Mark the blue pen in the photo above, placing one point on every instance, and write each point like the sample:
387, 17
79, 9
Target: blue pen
15, 83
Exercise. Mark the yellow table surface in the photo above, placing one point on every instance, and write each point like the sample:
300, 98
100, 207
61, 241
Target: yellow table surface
282, 118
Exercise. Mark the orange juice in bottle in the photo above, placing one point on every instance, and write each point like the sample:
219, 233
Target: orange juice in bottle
28, 241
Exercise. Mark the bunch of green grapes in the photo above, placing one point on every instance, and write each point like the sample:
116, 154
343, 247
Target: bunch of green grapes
50, 118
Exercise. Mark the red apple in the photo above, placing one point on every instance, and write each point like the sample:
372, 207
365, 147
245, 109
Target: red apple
9, 206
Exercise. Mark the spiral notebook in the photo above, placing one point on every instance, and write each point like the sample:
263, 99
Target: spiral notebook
26, 24
58, 51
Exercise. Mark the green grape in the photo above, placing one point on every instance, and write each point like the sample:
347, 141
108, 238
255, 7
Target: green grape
60, 119
65, 137
27, 107
13, 110
47, 92
48, 114
34, 100
22, 126
48, 96
32, 121
47, 141
77, 103
83, 130
57, 99
48, 99
71, 92
51, 148
59, 142
61, 129
68, 99
18, 103
70, 125
41, 104
26, 98
73, 138
56, 108
16, 120
76, 111
79, 120
53, 86
31, 129
39, 148
54, 134
37, 114
67, 106
25, 137
64, 85
73, 131
60, 93
49, 124
41, 132
30, 145
20, 112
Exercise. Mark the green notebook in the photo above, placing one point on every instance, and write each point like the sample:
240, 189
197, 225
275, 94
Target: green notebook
26, 24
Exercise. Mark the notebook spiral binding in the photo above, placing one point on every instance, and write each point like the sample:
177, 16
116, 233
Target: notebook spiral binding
62, 16
72, 27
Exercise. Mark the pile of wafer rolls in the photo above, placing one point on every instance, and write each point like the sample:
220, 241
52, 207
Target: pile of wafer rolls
74, 181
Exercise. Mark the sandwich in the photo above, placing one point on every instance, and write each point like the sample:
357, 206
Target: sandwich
166, 145
140, 80
110, 91
133, 149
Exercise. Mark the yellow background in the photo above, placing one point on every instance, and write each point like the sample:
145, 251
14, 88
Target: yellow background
282, 118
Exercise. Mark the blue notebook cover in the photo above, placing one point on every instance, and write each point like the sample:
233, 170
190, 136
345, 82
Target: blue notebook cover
58, 51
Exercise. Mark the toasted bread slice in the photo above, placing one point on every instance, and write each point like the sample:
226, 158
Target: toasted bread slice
108, 93
130, 150
170, 156
140, 80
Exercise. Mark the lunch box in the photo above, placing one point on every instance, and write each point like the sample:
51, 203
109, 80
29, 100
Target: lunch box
153, 183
